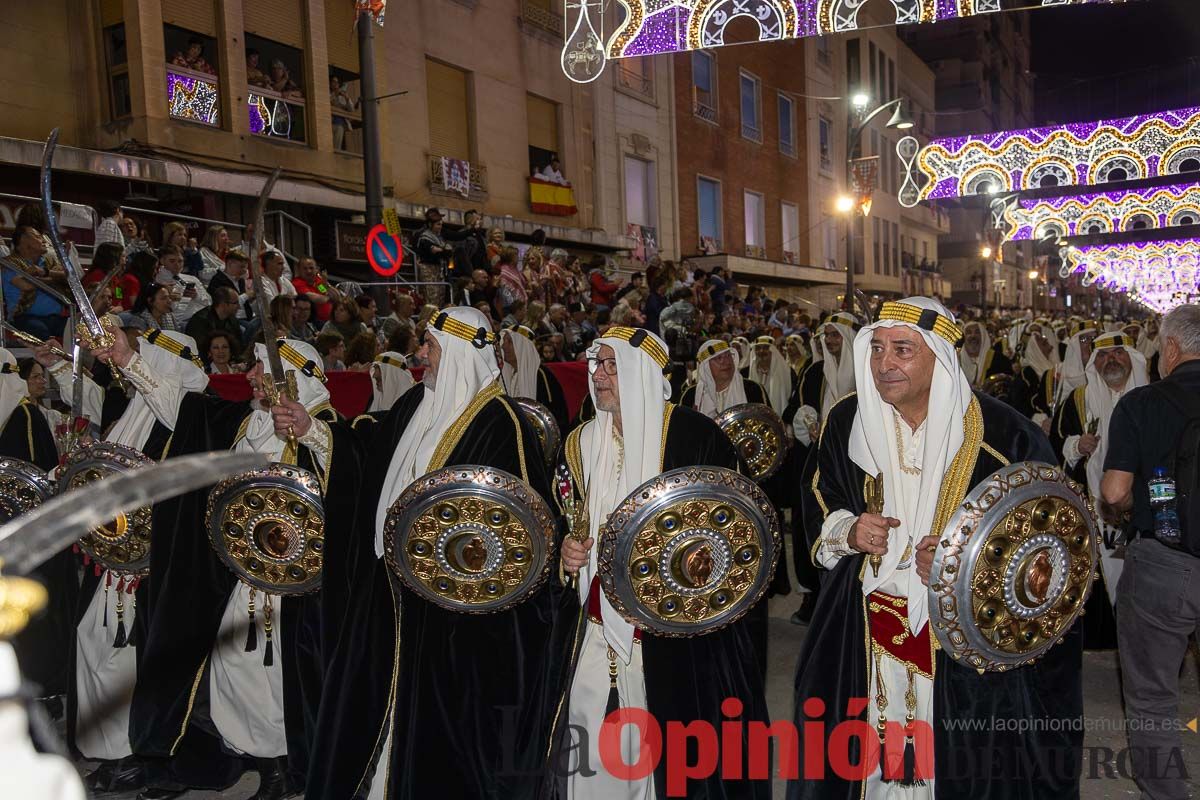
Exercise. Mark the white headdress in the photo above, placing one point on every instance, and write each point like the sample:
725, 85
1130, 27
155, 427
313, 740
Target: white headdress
709, 401
974, 366
12, 386
521, 379
467, 367
172, 357
838, 371
394, 380
1100, 401
778, 383
873, 441
302, 359
612, 467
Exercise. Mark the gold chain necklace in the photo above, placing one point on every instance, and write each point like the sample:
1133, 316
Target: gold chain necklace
907, 470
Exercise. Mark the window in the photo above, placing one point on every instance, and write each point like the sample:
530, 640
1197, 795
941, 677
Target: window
449, 112
704, 85
541, 119
895, 248
636, 75
755, 233
853, 66
872, 66
891, 79
875, 241
824, 136
639, 192
887, 251
708, 207
787, 125
275, 77
120, 98
751, 104
824, 53
193, 91
790, 219
829, 242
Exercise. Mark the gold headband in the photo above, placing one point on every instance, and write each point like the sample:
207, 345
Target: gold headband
842, 318
294, 357
924, 318
1110, 340
711, 350
641, 340
159, 339
479, 337
390, 362
764, 341
8, 369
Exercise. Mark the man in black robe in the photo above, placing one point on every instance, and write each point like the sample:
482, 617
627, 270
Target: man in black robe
635, 436
524, 376
227, 686
916, 424
422, 702
719, 385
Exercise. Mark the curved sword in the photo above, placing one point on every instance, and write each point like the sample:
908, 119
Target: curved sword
28, 540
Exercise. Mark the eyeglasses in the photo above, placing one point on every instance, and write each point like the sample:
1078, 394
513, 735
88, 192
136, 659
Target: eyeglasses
609, 364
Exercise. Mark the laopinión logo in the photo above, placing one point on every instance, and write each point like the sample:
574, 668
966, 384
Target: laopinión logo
850, 750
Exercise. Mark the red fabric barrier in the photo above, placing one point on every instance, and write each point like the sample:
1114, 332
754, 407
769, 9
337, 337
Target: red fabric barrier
350, 392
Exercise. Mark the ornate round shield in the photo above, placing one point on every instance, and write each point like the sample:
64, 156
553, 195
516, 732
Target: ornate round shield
757, 433
23, 487
998, 385
122, 545
471, 539
544, 425
689, 552
1014, 567
268, 526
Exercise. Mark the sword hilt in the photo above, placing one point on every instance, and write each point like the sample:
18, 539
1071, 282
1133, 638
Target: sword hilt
94, 341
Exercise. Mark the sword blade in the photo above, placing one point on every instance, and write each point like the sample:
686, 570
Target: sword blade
30, 539
74, 278
260, 282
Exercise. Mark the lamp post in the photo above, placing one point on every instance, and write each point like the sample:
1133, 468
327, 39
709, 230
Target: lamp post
859, 119
1034, 277
985, 256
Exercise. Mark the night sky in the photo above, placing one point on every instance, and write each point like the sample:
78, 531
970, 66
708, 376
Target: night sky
1116, 60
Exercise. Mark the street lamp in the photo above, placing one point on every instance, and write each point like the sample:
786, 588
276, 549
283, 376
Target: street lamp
858, 122
985, 254
844, 204
1033, 287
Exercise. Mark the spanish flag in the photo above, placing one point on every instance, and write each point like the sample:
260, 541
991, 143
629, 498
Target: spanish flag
554, 199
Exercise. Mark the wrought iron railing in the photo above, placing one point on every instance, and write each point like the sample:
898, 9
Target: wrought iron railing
541, 17
478, 185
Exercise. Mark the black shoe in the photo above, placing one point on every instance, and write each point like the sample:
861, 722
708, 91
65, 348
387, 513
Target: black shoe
804, 614
273, 781
98, 779
154, 793
126, 776
54, 706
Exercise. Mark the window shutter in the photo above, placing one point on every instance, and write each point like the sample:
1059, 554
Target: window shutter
542, 116
449, 120
341, 38
278, 20
198, 16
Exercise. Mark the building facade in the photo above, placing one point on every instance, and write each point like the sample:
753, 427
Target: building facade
178, 108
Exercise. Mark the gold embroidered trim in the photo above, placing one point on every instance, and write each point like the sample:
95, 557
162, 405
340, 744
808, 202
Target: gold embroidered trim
455, 432
360, 418
187, 714
161, 339
662, 445
520, 440
562, 699
294, 357
994, 453
923, 318
456, 327
1109, 340
391, 362
957, 479
646, 343
387, 714
28, 429
1081, 407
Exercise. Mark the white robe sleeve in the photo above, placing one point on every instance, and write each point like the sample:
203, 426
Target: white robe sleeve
93, 395
162, 395
1071, 453
832, 545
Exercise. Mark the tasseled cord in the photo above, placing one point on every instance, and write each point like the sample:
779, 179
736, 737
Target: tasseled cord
252, 631
121, 640
269, 657
614, 697
107, 583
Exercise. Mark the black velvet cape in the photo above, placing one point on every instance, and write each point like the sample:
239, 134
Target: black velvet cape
1099, 618
476, 696
983, 764
687, 679
189, 589
157, 446
550, 394
43, 645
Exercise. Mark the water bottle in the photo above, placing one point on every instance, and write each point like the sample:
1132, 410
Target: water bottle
1162, 500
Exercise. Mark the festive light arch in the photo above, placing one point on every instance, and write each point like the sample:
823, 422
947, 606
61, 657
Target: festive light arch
1159, 274
668, 26
1144, 146
1168, 207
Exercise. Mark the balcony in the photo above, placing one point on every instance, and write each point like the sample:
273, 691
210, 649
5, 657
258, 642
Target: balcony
193, 96
540, 17
276, 116
474, 188
635, 79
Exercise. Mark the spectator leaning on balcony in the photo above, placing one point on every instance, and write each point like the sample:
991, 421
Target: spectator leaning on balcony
188, 294
193, 57
254, 75
339, 100
282, 82
108, 229
553, 171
